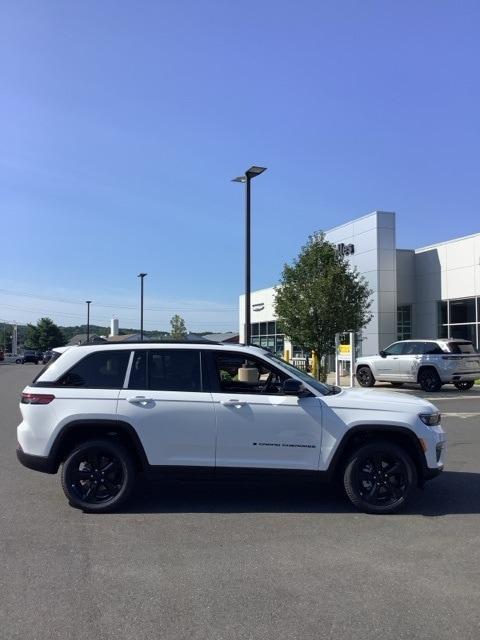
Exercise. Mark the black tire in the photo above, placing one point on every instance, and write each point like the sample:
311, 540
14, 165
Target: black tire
429, 379
365, 376
397, 384
464, 385
379, 477
98, 476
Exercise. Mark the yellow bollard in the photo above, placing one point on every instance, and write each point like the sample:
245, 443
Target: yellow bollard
286, 355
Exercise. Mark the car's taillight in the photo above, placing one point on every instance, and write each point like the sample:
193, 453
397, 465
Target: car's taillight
37, 398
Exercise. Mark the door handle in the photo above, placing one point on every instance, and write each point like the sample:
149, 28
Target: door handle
233, 403
139, 400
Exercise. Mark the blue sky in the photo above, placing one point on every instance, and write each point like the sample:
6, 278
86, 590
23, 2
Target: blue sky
121, 124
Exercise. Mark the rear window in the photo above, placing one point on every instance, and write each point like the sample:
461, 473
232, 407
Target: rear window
99, 370
166, 370
432, 348
55, 356
461, 347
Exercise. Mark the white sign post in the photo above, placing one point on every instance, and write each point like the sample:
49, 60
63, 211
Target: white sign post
344, 353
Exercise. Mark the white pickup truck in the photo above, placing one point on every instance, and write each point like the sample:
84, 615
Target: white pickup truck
430, 363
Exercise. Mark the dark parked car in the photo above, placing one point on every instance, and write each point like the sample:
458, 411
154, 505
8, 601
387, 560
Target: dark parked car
47, 356
29, 356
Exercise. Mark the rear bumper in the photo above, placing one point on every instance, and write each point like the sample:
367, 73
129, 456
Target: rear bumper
465, 375
43, 464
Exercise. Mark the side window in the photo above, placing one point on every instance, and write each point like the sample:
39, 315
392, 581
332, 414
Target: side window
413, 348
394, 349
242, 374
432, 348
99, 370
166, 370
138, 372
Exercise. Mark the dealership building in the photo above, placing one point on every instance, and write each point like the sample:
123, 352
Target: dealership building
431, 292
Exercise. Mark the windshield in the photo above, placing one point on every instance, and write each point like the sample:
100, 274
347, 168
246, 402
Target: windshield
323, 388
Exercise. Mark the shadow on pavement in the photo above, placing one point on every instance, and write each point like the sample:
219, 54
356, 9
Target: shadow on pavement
454, 492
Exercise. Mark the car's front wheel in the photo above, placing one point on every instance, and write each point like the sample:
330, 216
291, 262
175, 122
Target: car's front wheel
464, 385
379, 477
365, 376
98, 476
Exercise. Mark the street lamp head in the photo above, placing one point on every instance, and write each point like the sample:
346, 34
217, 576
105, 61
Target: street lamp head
88, 301
255, 171
142, 275
240, 179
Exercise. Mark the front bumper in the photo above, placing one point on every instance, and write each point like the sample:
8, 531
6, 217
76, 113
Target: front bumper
429, 474
44, 464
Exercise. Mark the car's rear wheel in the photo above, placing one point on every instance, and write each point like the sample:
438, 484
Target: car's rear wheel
429, 379
464, 385
379, 477
365, 376
98, 476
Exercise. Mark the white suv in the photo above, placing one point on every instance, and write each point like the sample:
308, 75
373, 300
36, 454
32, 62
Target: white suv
103, 413
430, 363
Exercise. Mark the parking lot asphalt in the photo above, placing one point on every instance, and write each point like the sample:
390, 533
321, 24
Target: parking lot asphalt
241, 561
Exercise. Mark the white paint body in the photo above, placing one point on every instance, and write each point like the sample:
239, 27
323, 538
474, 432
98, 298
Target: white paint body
208, 429
405, 368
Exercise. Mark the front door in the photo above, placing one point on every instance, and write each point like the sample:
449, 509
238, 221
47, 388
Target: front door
387, 368
258, 426
166, 404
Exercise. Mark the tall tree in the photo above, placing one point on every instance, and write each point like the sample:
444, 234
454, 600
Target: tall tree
179, 330
44, 335
6, 339
320, 295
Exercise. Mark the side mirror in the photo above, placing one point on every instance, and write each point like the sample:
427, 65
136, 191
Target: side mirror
383, 354
292, 387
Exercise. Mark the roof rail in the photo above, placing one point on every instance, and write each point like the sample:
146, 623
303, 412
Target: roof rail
103, 344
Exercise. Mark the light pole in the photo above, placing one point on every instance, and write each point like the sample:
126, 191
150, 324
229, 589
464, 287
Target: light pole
141, 276
89, 302
246, 179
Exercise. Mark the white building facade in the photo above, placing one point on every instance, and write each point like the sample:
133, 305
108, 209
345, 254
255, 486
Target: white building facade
429, 292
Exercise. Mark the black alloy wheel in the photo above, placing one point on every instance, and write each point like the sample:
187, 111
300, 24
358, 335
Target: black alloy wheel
464, 385
379, 477
98, 476
429, 380
365, 377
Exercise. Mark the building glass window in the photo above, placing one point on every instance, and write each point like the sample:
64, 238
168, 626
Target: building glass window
462, 311
404, 322
459, 319
267, 335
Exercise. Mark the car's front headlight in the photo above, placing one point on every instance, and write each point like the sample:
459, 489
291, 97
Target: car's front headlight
430, 419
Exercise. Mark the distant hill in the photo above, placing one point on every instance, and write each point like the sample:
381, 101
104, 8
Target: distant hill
69, 332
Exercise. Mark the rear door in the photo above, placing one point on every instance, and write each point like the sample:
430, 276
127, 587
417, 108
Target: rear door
165, 401
409, 360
